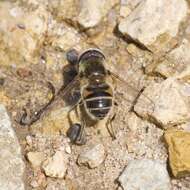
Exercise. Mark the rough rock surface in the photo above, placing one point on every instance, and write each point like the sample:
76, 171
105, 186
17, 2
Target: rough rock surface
176, 61
163, 103
66, 10
21, 32
178, 142
36, 158
11, 163
130, 3
56, 186
93, 11
145, 175
56, 166
64, 37
92, 157
139, 23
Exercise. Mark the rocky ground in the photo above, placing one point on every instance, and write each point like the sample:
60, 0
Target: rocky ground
147, 44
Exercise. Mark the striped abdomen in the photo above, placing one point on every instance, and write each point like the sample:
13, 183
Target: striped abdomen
98, 104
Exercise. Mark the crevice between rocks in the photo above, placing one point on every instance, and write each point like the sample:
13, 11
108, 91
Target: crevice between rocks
129, 40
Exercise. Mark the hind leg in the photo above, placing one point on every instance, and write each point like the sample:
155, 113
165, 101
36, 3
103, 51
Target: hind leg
110, 127
76, 132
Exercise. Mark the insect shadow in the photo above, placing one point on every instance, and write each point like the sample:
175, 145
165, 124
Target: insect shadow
69, 72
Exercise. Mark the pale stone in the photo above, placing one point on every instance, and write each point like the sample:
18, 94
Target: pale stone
92, 157
130, 3
68, 149
64, 37
29, 140
163, 103
57, 185
36, 22
93, 11
145, 175
66, 10
124, 11
133, 122
56, 166
11, 163
34, 184
35, 158
178, 142
20, 33
176, 61
154, 33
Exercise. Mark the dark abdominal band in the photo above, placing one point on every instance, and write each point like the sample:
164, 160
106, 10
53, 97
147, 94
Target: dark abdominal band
99, 103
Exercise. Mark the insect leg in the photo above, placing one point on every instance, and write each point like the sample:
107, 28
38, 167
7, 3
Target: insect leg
110, 126
61, 93
137, 92
76, 132
27, 120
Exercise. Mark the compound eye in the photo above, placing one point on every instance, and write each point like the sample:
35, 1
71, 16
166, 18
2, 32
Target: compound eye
72, 56
91, 54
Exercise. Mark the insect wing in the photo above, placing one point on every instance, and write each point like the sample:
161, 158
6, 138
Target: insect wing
128, 94
70, 92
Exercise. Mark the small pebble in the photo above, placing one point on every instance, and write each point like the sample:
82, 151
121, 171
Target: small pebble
92, 157
35, 158
56, 165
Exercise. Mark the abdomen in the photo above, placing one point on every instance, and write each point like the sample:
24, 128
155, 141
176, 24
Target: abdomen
98, 104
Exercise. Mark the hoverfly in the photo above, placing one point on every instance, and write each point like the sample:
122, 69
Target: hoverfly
96, 99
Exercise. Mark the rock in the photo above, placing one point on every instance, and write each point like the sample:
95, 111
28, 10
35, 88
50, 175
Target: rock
92, 157
29, 140
35, 158
34, 184
11, 163
176, 61
4, 99
124, 11
56, 166
133, 122
163, 103
130, 3
126, 6
66, 10
39, 178
93, 11
139, 23
68, 149
63, 37
178, 143
21, 33
145, 175
56, 186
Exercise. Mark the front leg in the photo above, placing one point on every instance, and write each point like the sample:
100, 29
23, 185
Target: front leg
28, 118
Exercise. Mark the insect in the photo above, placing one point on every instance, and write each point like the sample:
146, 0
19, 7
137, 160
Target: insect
97, 94
96, 97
